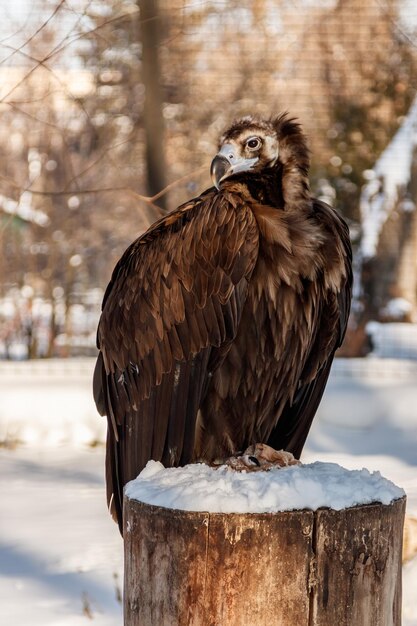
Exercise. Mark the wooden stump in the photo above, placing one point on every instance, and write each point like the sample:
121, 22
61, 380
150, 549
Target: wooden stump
322, 568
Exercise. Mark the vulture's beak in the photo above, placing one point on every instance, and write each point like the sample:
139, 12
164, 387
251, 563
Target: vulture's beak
227, 162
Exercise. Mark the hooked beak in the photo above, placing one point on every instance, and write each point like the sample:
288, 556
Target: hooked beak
227, 162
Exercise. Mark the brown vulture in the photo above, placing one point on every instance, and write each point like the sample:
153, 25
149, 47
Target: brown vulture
220, 323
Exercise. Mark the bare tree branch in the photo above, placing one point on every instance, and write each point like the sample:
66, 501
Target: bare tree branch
32, 37
178, 181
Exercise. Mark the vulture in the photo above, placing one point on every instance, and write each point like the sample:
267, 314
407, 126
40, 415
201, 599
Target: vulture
220, 322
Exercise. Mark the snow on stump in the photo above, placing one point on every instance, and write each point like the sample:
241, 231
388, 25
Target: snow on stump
311, 544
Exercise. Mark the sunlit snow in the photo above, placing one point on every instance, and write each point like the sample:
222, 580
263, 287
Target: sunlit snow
199, 487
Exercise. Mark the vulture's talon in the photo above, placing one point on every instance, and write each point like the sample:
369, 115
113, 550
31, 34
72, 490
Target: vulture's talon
260, 457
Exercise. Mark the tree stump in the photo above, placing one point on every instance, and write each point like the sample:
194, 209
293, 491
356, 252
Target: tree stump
294, 568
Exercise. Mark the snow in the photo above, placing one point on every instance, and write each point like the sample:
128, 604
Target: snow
397, 308
60, 551
393, 338
202, 488
391, 175
57, 395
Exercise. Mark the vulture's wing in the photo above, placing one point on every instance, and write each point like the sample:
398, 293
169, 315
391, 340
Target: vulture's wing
327, 335
170, 311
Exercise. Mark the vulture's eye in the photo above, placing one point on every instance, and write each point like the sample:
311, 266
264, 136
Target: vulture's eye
253, 143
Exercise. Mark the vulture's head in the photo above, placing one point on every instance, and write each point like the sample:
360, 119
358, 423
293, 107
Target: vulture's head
254, 146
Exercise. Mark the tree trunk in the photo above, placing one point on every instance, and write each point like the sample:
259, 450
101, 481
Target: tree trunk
296, 568
153, 107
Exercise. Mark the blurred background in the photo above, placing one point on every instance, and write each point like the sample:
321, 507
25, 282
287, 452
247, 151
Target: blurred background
110, 113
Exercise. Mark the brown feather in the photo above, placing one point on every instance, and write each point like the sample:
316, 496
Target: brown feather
220, 323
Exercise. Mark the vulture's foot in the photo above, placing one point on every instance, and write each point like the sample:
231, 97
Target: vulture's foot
260, 457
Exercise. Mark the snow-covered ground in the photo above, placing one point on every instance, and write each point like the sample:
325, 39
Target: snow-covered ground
61, 554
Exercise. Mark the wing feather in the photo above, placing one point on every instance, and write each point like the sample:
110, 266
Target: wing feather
327, 333
169, 314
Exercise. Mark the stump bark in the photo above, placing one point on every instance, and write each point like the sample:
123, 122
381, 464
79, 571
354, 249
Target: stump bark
295, 568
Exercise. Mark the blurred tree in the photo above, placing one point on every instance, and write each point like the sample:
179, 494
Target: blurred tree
388, 249
367, 68
153, 121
